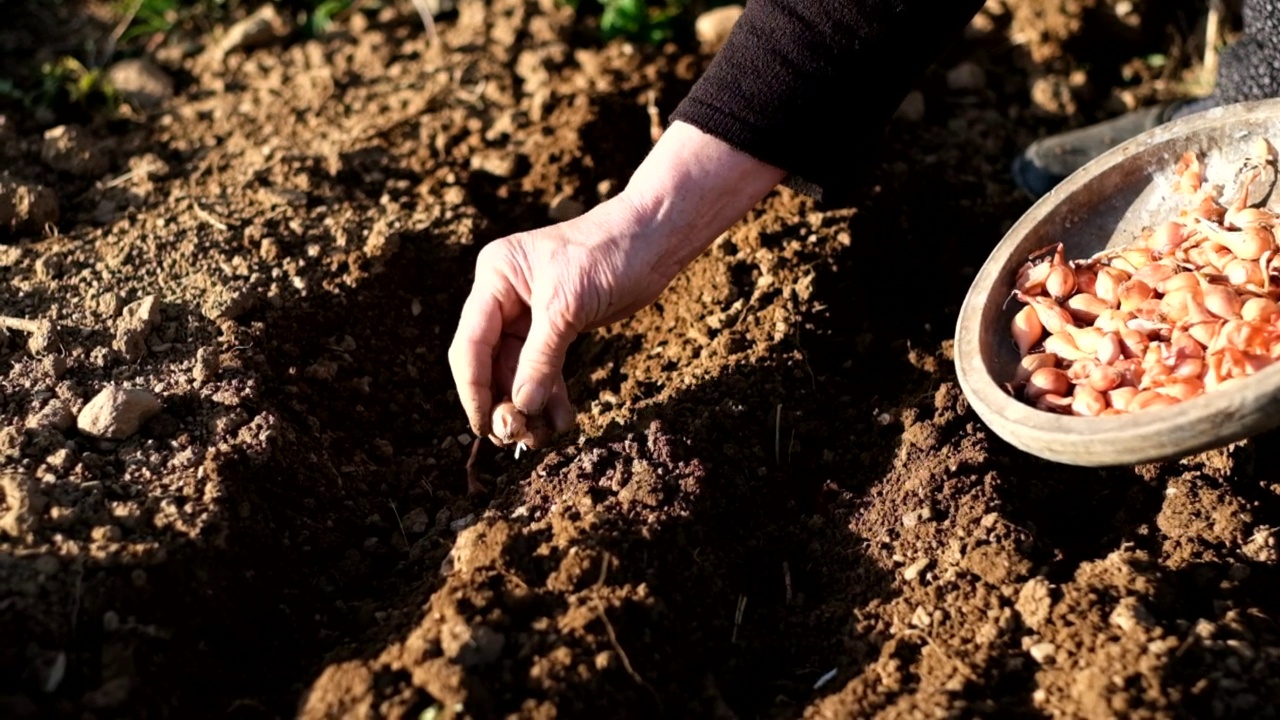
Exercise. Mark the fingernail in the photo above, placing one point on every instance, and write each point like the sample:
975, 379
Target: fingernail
530, 398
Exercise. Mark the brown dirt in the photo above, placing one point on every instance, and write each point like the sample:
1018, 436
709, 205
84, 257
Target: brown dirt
777, 480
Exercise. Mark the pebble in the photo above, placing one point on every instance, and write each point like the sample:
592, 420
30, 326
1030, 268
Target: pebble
11, 441
19, 495
1130, 615
713, 27
463, 523
497, 163
229, 303
140, 82
70, 149
26, 207
912, 107
117, 413
54, 416
912, 571
61, 460
106, 533
966, 76
470, 646
921, 618
44, 339
137, 320
1043, 652
54, 366
915, 517
206, 365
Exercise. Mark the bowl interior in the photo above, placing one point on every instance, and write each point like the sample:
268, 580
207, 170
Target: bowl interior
1108, 203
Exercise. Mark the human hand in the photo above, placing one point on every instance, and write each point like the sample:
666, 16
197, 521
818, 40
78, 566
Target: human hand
535, 292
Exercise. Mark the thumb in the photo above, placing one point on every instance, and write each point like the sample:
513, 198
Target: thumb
541, 361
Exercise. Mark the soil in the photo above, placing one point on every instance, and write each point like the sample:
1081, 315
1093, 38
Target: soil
777, 505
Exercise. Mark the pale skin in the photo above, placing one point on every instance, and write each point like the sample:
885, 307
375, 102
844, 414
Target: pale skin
535, 292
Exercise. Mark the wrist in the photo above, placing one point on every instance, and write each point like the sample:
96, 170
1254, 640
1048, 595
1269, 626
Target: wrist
690, 189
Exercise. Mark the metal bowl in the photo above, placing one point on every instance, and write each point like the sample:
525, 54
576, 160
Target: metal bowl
1108, 203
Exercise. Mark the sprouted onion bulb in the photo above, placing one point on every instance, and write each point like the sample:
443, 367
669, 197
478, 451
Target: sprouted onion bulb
510, 426
1188, 308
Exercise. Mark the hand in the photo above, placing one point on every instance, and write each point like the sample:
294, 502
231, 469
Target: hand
535, 292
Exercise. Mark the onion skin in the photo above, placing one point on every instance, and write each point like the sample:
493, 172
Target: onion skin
510, 426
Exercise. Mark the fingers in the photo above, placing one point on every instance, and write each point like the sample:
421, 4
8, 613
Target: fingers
559, 409
541, 362
471, 356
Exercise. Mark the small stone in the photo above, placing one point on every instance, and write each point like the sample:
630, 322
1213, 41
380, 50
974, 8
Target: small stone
20, 498
110, 304
26, 208
116, 413
11, 441
137, 320
915, 517
1034, 602
565, 208
54, 416
1043, 652
54, 366
967, 76
70, 149
61, 460
912, 571
470, 646
463, 523
416, 521
605, 659
497, 163
106, 533
228, 303
44, 339
921, 618
1130, 615
713, 27
140, 82
206, 365
911, 109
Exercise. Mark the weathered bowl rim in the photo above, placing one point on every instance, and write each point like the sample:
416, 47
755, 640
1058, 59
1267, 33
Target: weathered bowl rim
1211, 420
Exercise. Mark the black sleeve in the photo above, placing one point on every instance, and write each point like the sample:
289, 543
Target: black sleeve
809, 85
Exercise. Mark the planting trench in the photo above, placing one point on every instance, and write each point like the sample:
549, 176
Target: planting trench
778, 504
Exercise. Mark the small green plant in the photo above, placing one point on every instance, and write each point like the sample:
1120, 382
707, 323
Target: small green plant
636, 20
321, 15
160, 17
65, 85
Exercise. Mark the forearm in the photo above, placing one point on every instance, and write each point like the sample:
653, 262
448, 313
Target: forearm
690, 189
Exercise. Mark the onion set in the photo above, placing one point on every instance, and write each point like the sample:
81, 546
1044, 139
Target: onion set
1188, 308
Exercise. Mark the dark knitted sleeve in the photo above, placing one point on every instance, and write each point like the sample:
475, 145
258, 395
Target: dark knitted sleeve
809, 85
